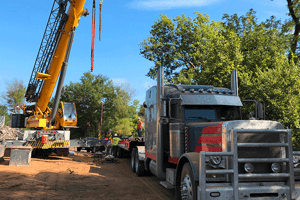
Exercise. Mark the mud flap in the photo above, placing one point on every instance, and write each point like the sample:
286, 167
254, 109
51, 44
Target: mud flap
2, 150
20, 156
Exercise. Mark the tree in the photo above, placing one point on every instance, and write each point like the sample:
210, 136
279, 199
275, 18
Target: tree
3, 112
204, 52
294, 23
14, 95
88, 95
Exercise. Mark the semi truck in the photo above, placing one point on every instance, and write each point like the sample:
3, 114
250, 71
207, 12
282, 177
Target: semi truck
197, 143
49, 128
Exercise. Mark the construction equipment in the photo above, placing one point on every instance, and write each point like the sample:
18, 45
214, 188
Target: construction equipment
51, 126
197, 143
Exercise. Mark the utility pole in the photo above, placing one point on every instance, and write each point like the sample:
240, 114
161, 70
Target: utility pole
100, 132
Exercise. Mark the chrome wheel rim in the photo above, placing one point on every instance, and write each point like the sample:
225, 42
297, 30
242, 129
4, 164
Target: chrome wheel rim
186, 189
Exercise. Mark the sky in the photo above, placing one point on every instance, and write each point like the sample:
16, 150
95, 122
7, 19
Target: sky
125, 24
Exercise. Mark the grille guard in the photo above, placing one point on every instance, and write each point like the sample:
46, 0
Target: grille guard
235, 188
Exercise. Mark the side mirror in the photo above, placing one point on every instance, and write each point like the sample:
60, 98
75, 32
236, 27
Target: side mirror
144, 104
260, 111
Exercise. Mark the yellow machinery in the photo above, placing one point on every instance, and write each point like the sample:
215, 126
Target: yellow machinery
51, 126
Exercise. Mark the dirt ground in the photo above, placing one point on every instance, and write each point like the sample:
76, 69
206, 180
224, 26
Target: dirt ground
78, 176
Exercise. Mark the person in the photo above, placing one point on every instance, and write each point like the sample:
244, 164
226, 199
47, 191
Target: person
109, 142
140, 128
115, 143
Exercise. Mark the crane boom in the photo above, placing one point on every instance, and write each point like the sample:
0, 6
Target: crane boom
52, 61
74, 13
50, 127
47, 48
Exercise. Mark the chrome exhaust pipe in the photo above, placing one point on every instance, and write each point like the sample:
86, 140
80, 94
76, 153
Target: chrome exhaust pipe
234, 83
159, 144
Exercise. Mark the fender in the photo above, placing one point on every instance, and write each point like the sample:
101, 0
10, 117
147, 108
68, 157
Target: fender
193, 159
141, 152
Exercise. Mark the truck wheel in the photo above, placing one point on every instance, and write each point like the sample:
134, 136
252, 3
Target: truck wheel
133, 159
188, 186
79, 148
120, 152
139, 165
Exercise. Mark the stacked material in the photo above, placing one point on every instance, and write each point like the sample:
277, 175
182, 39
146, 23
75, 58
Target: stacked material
10, 133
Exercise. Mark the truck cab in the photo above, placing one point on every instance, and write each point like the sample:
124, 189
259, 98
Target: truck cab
192, 107
197, 143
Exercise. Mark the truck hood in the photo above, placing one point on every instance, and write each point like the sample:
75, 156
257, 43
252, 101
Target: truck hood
251, 124
207, 136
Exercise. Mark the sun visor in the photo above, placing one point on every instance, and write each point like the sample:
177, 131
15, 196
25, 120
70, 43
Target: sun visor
211, 100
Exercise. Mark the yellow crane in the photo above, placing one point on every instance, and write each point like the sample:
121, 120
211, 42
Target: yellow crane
50, 127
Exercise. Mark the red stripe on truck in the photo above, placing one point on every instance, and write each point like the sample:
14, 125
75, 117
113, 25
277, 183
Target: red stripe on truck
212, 129
148, 155
208, 149
210, 140
173, 160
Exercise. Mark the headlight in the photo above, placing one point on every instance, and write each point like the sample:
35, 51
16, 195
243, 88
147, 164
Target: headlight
216, 159
275, 167
248, 167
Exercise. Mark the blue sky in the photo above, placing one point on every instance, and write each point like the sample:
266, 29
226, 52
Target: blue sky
125, 24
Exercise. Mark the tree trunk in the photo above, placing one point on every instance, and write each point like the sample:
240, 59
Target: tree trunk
294, 41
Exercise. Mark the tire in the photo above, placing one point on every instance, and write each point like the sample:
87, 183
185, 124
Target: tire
188, 186
88, 150
139, 165
133, 152
119, 152
79, 148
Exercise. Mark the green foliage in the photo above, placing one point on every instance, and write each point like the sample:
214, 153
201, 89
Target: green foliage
89, 94
14, 95
3, 112
204, 52
124, 127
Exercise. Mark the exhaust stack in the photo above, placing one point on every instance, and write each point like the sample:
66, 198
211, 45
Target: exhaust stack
159, 144
234, 83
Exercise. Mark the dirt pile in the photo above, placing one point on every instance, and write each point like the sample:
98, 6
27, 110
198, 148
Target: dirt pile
10, 133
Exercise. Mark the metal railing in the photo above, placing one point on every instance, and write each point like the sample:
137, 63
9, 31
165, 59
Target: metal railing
288, 175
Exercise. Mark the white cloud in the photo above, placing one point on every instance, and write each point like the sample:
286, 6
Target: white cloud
268, 3
119, 81
147, 85
169, 4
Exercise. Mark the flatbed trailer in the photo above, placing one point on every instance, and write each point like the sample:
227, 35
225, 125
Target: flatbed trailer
89, 145
126, 145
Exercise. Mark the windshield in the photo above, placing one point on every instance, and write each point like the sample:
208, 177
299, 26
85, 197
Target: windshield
211, 113
69, 111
